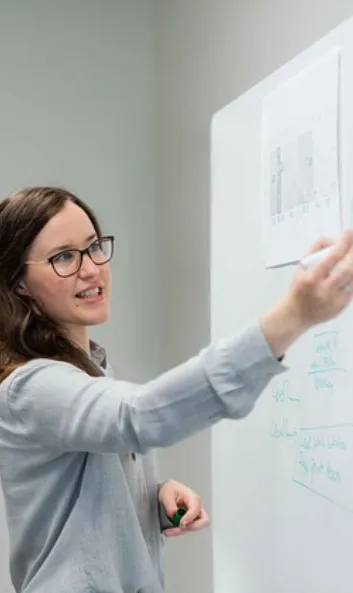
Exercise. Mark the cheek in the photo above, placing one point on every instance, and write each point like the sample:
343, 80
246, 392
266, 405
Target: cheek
106, 275
50, 291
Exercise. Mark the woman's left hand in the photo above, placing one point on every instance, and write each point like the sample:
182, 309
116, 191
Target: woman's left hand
173, 495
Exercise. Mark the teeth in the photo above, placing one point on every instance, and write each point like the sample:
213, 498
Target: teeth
89, 293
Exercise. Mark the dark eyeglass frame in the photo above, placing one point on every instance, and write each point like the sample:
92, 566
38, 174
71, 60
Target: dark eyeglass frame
51, 260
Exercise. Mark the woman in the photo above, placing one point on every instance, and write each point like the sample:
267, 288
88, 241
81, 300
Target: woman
82, 501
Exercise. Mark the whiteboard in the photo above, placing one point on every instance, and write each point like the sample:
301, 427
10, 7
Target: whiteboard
283, 477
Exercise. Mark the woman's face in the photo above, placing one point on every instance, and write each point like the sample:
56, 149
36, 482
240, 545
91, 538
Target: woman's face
66, 300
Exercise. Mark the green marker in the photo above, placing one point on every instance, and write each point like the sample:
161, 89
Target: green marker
178, 515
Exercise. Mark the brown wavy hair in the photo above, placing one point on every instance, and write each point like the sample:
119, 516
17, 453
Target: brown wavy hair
27, 332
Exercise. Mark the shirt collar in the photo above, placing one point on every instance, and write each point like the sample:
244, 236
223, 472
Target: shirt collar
98, 355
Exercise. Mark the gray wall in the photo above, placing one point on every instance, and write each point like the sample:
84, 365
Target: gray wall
77, 108
208, 52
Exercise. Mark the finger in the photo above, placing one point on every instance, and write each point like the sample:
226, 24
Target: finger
170, 505
337, 254
168, 499
194, 506
173, 532
343, 272
320, 243
200, 523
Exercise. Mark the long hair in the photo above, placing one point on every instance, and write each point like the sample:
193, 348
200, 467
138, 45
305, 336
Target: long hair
26, 331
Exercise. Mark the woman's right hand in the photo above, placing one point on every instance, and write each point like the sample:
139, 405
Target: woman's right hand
315, 296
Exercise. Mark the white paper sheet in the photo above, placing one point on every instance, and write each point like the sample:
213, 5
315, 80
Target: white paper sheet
301, 162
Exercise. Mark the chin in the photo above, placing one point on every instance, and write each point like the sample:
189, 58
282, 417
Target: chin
95, 318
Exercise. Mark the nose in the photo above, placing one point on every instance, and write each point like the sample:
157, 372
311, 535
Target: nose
88, 267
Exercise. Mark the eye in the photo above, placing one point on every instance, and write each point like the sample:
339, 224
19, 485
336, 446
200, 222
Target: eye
96, 246
63, 258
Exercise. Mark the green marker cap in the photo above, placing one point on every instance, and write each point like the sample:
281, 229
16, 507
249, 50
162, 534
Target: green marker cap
178, 516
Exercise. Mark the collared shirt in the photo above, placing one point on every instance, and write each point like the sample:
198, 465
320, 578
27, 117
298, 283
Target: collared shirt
83, 515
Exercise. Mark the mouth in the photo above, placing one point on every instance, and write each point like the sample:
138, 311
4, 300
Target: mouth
90, 293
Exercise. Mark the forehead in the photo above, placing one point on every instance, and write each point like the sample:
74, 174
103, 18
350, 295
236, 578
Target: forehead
71, 226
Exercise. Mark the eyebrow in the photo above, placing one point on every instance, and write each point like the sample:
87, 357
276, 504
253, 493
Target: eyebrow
70, 245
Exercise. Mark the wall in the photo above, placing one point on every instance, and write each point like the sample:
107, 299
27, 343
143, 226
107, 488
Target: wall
77, 108
207, 54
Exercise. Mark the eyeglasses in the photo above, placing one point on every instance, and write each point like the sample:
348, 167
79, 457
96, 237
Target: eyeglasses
68, 262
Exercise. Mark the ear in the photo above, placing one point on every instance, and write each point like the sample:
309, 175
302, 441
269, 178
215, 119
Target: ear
21, 289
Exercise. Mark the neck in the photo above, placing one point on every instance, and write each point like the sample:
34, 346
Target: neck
80, 337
